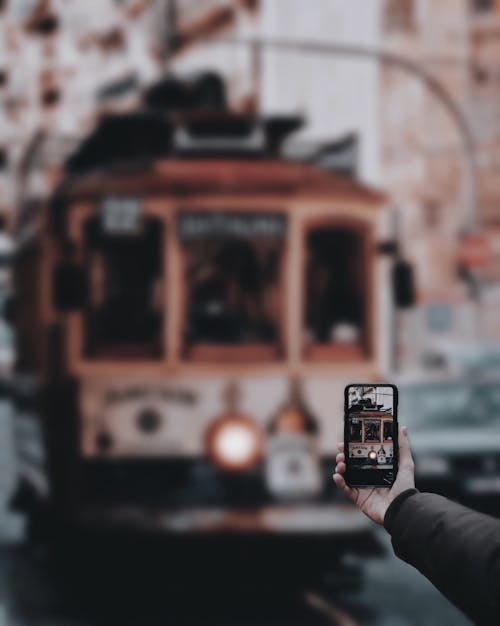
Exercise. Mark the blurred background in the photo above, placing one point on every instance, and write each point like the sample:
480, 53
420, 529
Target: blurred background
215, 214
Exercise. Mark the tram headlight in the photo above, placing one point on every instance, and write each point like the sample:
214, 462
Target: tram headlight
372, 455
234, 442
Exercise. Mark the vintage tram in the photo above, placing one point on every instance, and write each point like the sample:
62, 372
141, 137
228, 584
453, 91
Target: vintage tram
371, 433
189, 307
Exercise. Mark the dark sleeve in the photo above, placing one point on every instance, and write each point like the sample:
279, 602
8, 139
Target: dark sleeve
456, 548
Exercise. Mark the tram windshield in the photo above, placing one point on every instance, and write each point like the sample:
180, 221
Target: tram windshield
123, 315
372, 430
232, 285
232, 266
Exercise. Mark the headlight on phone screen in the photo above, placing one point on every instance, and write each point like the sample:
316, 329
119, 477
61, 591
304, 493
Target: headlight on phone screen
234, 442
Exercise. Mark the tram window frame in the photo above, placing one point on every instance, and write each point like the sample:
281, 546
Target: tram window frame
151, 348
342, 351
244, 351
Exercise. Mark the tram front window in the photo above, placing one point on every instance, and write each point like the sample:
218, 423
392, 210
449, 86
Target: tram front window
123, 315
233, 296
372, 430
335, 293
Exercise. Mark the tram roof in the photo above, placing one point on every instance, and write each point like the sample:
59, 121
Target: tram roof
189, 177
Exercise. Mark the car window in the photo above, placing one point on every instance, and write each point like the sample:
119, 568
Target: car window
444, 405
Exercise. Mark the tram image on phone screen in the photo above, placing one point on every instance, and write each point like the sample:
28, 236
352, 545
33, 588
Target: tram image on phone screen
371, 435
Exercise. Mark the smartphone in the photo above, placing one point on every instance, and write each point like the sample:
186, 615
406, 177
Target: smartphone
371, 434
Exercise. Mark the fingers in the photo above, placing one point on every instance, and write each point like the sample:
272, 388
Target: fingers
340, 446
338, 479
340, 468
405, 456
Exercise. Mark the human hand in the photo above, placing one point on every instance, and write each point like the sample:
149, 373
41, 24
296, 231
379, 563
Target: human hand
374, 501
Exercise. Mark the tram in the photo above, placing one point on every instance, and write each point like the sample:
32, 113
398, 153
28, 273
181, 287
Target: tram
371, 434
189, 307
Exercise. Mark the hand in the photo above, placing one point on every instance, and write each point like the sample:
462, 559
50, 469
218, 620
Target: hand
374, 501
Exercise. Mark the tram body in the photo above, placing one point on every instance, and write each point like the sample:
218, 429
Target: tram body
371, 438
185, 331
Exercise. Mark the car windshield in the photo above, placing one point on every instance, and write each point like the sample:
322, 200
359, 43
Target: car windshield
451, 404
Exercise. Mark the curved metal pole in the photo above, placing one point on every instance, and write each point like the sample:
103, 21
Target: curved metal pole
471, 217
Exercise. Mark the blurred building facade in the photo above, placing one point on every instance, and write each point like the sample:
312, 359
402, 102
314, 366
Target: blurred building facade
64, 63
321, 88
425, 166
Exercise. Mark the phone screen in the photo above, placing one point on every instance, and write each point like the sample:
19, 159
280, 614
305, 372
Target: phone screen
371, 435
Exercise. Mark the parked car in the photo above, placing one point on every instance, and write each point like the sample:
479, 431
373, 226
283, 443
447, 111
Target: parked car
455, 436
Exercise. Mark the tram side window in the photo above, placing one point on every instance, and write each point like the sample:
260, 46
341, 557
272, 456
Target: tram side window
356, 430
123, 317
335, 293
387, 431
232, 296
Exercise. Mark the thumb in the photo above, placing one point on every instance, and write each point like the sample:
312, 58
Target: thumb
405, 456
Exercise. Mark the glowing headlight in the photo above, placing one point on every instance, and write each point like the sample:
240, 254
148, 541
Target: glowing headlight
372, 455
234, 442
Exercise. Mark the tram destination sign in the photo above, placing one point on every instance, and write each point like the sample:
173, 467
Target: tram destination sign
201, 224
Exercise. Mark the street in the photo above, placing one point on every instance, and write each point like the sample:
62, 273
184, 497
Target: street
393, 594
35, 593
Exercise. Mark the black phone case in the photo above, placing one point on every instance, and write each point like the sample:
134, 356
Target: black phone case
348, 474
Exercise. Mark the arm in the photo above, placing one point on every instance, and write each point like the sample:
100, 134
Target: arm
457, 549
